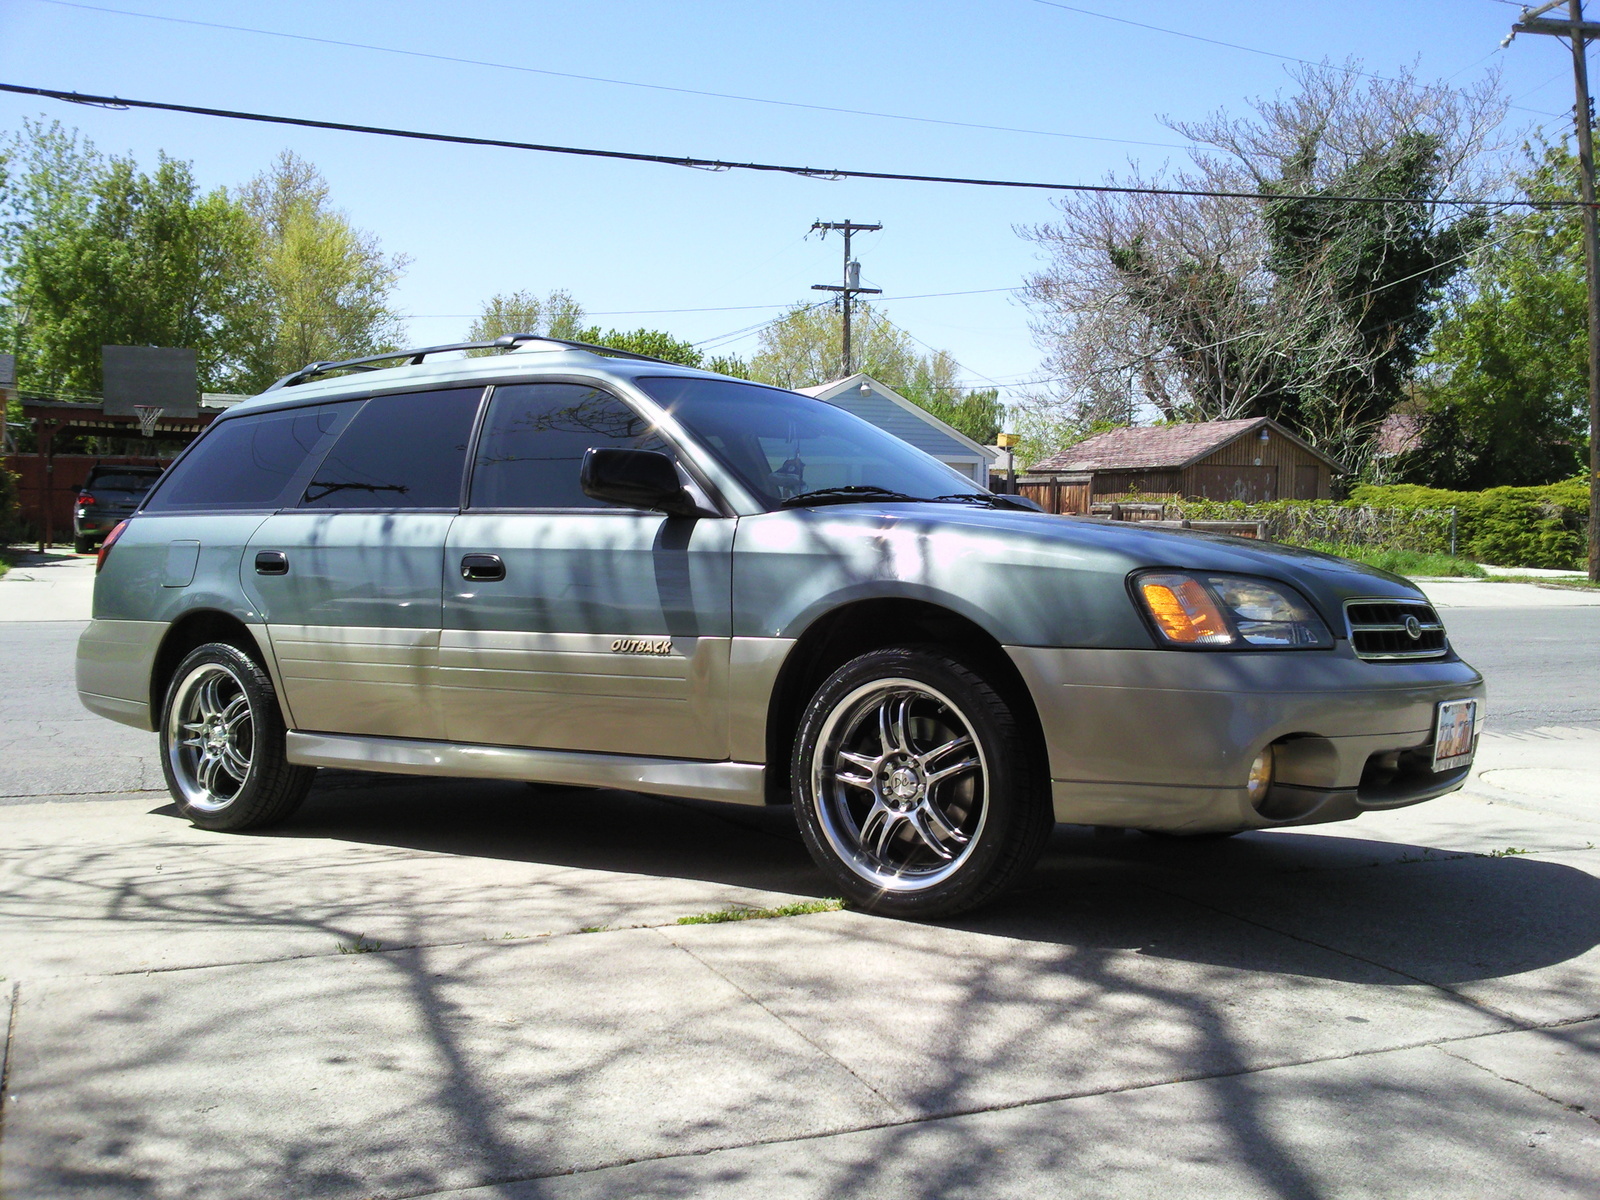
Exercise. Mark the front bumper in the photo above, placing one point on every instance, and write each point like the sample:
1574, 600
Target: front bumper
1163, 739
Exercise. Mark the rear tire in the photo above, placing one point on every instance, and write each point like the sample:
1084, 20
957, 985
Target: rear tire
222, 743
83, 545
916, 790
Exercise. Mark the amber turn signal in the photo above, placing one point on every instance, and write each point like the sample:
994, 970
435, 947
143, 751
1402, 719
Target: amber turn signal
1184, 611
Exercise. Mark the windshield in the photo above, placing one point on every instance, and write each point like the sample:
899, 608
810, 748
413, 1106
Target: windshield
782, 446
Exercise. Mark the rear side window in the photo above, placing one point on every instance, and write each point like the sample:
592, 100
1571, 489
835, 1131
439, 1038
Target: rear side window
399, 452
250, 462
534, 438
121, 481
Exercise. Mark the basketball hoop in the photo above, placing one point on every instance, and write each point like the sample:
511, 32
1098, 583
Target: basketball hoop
148, 416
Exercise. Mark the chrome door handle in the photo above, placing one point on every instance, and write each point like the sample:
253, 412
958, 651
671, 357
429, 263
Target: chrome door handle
482, 567
272, 562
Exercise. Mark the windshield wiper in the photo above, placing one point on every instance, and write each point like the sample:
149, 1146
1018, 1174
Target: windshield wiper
991, 500
843, 495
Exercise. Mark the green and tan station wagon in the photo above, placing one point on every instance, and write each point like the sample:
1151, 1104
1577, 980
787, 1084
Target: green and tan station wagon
569, 565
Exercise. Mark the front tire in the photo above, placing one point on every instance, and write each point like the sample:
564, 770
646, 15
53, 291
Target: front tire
222, 743
915, 788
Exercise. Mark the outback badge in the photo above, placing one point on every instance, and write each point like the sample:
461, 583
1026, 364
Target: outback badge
642, 646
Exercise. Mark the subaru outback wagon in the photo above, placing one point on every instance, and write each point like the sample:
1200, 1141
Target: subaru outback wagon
567, 565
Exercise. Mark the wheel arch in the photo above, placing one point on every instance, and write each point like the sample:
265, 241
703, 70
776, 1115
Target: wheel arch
196, 628
844, 632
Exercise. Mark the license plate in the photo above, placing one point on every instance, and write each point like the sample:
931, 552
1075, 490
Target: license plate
1453, 731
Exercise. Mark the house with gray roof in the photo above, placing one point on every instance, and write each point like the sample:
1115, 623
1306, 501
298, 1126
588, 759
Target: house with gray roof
886, 408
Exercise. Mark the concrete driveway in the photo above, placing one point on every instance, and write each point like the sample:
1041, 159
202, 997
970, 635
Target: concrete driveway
454, 988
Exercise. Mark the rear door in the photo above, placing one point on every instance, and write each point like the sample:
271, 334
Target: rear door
348, 578
570, 623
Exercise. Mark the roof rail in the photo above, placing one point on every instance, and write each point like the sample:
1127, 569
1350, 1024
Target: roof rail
413, 357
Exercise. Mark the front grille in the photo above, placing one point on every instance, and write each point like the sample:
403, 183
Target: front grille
1383, 629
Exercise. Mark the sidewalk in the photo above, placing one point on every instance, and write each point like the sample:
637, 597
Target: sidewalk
55, 586
446, 988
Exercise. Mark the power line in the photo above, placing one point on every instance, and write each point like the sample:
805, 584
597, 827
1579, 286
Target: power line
656, 312
633, 83
1195, 37
713, 164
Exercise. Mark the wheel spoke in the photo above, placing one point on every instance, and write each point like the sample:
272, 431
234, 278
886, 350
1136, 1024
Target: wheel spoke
234, 763
238, 711
935, 819
871, 823
865, 761
860, 781
919, 823
902, 725
953, 744
205, 772
966, 764
209, 697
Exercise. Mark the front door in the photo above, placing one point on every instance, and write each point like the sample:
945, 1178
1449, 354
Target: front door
571, 624
349, 580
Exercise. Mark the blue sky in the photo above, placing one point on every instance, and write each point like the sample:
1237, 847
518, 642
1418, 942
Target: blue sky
627, 237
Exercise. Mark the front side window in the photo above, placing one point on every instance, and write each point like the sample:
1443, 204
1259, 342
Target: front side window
534, 438
782, 445
399, 452
250, 462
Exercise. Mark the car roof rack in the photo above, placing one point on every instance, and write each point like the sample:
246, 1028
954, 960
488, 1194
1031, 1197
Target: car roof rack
414, 357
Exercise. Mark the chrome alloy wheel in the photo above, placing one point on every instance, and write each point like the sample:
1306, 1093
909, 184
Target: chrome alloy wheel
210, 737
901, 784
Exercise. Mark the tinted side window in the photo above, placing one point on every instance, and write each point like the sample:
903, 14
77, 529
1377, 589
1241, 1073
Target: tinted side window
399, 452
534, 438
250, 462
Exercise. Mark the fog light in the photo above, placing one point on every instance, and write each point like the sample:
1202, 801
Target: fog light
1260, 781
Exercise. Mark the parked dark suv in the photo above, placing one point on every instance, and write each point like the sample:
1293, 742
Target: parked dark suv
109, 496
603, 570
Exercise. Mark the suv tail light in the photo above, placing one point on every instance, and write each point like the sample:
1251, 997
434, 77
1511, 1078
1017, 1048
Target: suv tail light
105, 546
85, 498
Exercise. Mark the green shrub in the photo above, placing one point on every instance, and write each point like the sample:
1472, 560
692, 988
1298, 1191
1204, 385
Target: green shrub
1542, 526
1507, 526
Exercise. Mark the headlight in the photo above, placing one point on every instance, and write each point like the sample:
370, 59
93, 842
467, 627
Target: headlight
1228, 610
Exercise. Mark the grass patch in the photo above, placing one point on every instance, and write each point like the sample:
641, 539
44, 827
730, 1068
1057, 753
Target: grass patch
360, 946
1575, 583
736, 913
8, 559
1410, 563
1508, 852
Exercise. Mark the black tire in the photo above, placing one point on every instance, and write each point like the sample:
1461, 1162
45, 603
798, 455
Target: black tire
83, 545
222, 743
927, 828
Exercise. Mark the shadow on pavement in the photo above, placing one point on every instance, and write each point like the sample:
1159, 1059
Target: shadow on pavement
1379, 906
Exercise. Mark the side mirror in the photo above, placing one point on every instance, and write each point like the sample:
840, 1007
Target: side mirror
635, 478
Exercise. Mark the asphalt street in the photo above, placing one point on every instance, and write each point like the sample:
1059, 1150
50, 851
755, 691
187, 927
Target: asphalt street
445, 988
1542, 665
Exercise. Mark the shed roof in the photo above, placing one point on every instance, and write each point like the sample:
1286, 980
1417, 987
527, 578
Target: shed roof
1162, 447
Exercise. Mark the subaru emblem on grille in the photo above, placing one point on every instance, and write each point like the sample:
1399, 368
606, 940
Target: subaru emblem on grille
1413, 628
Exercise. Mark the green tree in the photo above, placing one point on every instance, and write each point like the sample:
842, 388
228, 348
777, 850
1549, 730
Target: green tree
1506, 387
98, 253
642, 341
558, 315
801, 349
328, 287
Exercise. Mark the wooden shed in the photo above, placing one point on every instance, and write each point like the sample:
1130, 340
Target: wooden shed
1252, 460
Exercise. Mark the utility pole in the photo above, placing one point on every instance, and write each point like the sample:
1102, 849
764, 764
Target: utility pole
852, 278
1580, 32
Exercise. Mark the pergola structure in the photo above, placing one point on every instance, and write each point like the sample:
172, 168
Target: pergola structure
53, 419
